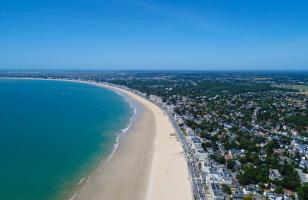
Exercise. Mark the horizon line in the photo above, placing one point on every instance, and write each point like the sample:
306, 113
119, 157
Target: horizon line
137, 69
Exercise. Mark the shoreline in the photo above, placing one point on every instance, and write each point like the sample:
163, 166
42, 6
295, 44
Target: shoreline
168, 171
147, 163
119, 137
125, 174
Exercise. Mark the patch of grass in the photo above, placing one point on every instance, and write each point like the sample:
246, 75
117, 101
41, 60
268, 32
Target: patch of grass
301, 88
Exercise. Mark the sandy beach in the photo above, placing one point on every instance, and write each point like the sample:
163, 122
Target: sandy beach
149, 163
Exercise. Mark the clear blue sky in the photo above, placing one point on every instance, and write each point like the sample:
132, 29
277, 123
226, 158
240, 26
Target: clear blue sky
154, 34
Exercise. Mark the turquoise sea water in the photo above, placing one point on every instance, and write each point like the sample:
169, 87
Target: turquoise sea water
52, 134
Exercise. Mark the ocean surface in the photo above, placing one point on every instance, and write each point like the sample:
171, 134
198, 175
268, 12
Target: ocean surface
52, 134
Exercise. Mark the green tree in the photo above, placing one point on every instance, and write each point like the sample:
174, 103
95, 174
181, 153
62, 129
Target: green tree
279, 189
230, 164
247, 198
226, 189
302, 192
219, 159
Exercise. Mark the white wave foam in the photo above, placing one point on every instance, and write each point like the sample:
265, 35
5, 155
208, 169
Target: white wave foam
124, 130
81, 180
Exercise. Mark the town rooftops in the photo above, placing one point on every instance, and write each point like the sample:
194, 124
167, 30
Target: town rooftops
303, 177
200, 150
195, 140
238, 194
217, 192
274, 174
